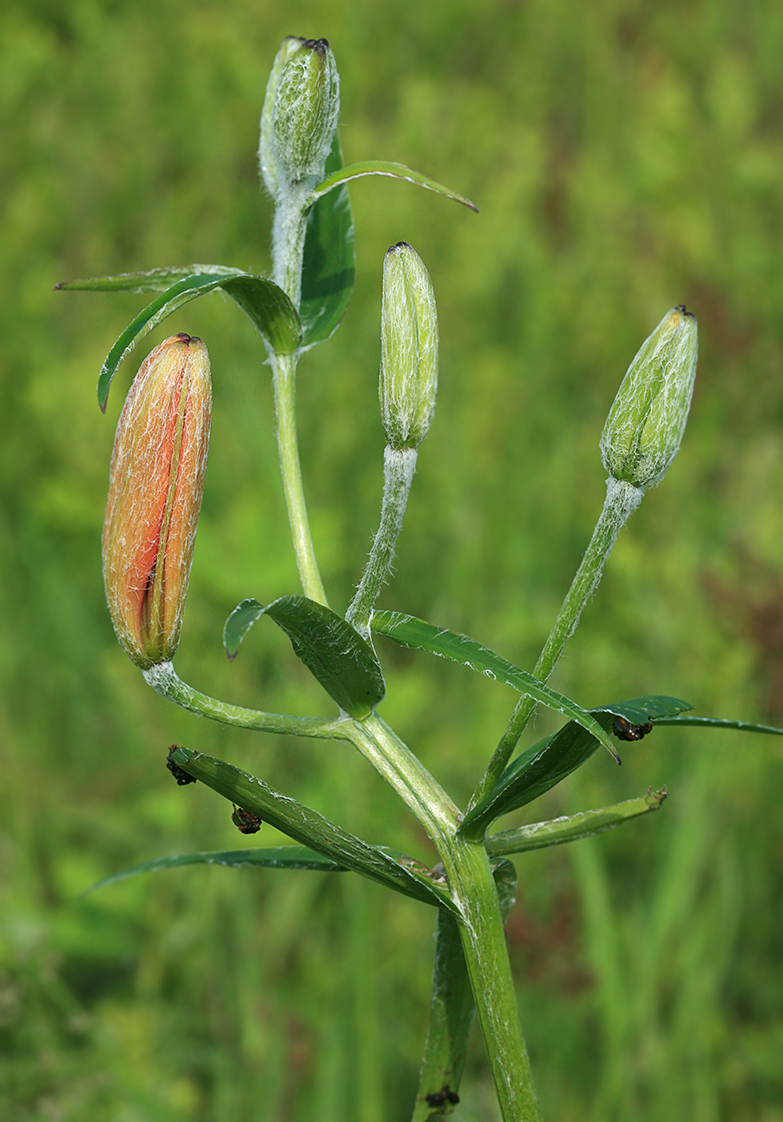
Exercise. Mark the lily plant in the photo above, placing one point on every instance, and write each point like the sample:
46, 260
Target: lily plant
156, 482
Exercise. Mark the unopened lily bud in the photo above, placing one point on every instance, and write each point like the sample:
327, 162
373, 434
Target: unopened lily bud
305, 111
270, 171
409, 348
647, 419
156, 482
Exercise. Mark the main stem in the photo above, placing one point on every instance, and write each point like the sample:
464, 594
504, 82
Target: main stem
484, 946
480, 922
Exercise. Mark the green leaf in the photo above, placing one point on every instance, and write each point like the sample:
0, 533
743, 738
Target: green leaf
556, 831
238, 624
151, 280
422, 636
548, 762
334, 653
328, 261
721, 723
278, 857
268, 307
385, 167
309, 828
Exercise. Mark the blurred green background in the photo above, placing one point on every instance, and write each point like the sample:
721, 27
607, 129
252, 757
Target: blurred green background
626, 157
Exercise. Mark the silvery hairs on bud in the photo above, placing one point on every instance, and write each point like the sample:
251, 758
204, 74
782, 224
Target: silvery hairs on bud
647, 419
409, 348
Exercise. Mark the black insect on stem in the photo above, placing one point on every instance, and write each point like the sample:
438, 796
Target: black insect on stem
442, 1097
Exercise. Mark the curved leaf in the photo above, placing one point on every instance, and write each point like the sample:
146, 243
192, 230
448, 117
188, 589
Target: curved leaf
328, 261
313, 830
545, 764
238, 624
268, 307
333, 651
422, 636
386, 167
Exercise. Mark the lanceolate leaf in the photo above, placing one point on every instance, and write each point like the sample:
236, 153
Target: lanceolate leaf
333, 652
422, 636
268, 307
548, 762
541, 835
278, 857
309, 828
720, 723
151, 280
328, 262
385, 167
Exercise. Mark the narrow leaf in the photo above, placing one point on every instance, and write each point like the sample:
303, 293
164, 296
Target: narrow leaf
541, 835
547, 763
151, 280
328, 261
309, 828
334, 653
422, 636
268, 307
278, 857
397, 171
721, 723
238, 624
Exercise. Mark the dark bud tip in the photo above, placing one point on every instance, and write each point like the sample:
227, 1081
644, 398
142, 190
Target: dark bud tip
179, 773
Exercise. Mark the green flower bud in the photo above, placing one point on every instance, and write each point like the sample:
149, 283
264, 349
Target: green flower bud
409, 348
270, 172
304, 112
645, 424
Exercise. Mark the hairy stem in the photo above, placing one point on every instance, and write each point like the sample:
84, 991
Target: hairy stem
398, 469
621, 501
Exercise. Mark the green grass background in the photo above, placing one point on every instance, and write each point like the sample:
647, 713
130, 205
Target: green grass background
626, 157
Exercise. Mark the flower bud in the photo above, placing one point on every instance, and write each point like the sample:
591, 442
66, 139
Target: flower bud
645, 424
270, 171
304, 112
156, 482
409, 348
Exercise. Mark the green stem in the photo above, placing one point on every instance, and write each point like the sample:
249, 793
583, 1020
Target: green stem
291, 471
404, 771
164, 680
474, 892
398, 469
621, 501
452, 1008
288, 237
484, 946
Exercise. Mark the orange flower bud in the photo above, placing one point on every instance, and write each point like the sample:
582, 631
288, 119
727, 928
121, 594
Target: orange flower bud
156, 482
